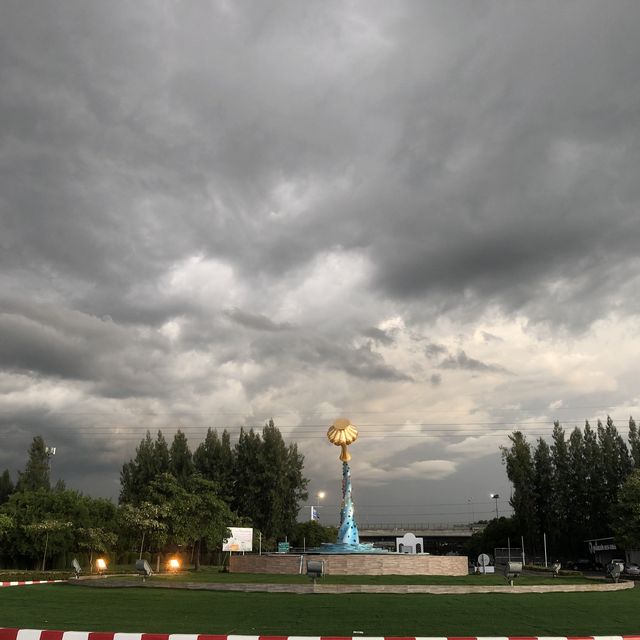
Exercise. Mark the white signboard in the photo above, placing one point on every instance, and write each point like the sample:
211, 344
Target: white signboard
241, 539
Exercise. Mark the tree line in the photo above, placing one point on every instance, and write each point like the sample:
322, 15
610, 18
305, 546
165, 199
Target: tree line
571, 489
170, 499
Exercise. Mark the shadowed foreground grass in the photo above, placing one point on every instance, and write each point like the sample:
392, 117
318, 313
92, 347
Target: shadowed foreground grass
65, 607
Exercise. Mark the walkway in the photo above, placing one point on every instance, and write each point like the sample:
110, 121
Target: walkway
320, 587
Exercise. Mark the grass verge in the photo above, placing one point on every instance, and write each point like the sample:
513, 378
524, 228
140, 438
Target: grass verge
65, 607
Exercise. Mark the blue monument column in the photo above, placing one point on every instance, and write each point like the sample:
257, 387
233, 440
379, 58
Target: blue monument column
348, 532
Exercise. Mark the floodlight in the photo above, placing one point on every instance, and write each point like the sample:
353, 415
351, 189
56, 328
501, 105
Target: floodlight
512, 570
315, 569
76, 567
614, 569
101, 565
143, 568
174, 564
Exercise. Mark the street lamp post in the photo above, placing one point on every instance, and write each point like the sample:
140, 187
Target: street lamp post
314, 508
50, 451
496, 497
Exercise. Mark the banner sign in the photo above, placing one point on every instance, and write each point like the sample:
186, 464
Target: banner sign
241, 539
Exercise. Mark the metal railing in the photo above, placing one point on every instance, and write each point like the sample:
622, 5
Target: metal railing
422, 526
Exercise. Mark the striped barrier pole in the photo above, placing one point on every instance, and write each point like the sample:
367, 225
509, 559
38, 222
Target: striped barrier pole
37, 634
20, 583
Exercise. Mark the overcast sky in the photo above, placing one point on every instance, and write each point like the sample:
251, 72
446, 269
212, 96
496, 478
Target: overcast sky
423, 216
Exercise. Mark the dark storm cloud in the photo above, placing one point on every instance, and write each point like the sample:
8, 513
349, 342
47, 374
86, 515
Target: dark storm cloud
48, 341
175, 180
507, 166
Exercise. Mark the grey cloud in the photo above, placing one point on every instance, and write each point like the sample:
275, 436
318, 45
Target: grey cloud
319, 353
473, 158
168, 150
365, 363
258, 322
462, 361
433, 350
379, 336
46, 341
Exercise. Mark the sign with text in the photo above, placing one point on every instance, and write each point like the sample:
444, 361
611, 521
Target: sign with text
241, 539
283, 547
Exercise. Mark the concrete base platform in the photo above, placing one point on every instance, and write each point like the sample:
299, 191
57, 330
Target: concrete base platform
357, 564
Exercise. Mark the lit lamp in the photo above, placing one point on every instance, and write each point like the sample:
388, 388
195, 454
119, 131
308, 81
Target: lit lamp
174, 564
315, 516
101, 565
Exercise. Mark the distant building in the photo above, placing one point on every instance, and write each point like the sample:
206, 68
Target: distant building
408, 543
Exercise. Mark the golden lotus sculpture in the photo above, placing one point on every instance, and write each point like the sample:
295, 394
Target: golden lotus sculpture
342, 433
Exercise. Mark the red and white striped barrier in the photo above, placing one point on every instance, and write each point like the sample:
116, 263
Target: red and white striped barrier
34, 634
19, 583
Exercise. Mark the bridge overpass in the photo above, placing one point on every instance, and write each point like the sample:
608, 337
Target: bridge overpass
439, 539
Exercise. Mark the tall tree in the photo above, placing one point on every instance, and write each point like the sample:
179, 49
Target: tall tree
247, 495
180, 459
36, 472
596, 521
626, 513
543, 487
634, 442
616, 461
214, 460
561, 498
6, 486
578, 504
152, 459
269, 481
283, 483
520, 471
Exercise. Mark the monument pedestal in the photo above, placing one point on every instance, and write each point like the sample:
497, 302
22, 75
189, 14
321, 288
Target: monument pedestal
353, 564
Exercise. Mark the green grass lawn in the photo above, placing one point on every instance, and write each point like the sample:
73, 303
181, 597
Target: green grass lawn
67, 607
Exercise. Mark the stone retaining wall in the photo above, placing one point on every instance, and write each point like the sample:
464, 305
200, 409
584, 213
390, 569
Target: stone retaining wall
360, 564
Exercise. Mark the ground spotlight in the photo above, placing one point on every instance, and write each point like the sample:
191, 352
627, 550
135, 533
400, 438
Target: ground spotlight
143, 568
101, 565
77, 569
174, 564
